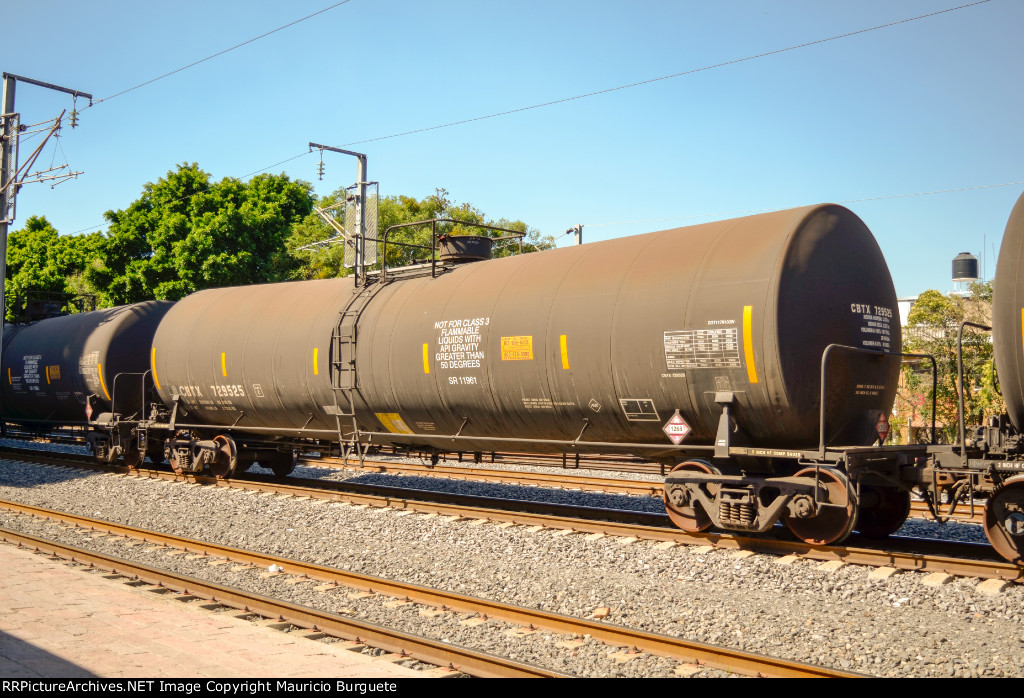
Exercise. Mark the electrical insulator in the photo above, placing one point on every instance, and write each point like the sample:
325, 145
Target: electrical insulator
74, 118
320, 170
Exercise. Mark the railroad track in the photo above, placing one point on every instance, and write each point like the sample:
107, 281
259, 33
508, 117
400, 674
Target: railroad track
617, 463
315, 621
561, 480
424, 649
958, 559
920, 510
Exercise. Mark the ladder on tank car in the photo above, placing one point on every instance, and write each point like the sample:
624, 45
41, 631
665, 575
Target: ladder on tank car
343, 368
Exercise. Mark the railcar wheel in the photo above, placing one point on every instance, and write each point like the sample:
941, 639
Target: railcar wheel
887, 516
226, 458
133, 457
245, 461
684, 513
1004, 519
155, 450
281, 464
831, 524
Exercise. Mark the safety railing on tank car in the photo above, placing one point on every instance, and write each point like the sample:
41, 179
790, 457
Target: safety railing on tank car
39, 305
141, 414
961, 418
513, 234
824, 386
870, 352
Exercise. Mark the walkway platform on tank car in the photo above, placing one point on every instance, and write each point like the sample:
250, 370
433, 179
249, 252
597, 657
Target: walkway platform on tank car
60, 622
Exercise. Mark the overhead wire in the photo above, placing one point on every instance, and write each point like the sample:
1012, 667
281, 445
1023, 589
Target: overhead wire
543, 104
669, 77
215, 55
782, 208
95, 102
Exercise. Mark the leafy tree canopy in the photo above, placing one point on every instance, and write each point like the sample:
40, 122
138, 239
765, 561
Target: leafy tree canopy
185, 234
40, 260
326, 261
932, 329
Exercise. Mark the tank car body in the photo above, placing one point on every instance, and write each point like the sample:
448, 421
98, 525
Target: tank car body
61, 370
701, 347
587, 348
598, 344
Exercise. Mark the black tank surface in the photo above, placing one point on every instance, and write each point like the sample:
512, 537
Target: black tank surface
601, 342
52, 367
253, 356
609, 339
1007, 316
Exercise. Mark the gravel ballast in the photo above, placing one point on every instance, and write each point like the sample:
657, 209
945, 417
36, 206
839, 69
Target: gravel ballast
845, 618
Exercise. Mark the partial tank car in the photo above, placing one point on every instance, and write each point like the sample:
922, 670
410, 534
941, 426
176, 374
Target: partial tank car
1008, 316
63, 370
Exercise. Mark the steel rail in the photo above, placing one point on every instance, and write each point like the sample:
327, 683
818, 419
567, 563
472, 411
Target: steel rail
561, 480
614, 635
564, 480
551, 480
654, 527
423, 649
920, 510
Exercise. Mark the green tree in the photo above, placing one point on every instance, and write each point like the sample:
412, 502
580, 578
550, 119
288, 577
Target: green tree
321, 262
313, 257
932, 329
40, 260
185, 234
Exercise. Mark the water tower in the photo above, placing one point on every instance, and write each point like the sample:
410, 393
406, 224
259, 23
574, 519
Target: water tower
965, 272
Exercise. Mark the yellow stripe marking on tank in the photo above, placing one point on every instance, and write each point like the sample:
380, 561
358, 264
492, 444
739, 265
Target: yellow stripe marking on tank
47, 375
99, 370
565, 352
9, 377
152, 361
748, 341
316, 369
223, 364
426, 358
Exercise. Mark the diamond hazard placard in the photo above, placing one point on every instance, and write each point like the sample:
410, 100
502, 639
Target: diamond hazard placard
882, 427
676, 428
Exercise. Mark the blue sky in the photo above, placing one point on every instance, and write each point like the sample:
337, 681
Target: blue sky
922, 106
